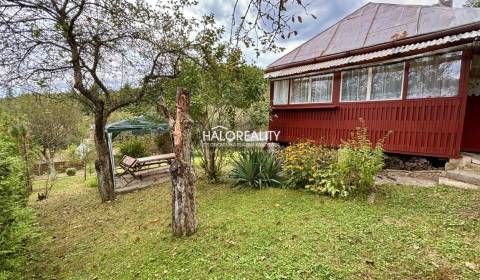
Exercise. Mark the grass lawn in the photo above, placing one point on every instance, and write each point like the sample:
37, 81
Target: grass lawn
408, 233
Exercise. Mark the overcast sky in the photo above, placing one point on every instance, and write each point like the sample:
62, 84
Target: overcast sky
328, 12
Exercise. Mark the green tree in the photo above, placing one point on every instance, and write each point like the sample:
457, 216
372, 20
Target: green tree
225, 91
92, 45
16, 219
93, 48
83, 153
86, 154
19, 131
52, 125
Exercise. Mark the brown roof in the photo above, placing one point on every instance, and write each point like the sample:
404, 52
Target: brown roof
378, 23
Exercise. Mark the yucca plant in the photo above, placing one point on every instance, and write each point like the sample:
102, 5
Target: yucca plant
256, 169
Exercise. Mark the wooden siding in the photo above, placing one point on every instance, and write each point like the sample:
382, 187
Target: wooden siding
429, 126
471, 129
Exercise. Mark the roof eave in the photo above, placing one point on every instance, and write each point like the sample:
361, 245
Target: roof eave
409, 40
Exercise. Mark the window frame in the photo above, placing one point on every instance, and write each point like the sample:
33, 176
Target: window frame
309, 93
330, 75
370, 85
460, 53
337, 83
404, 64
288, 92
341, 86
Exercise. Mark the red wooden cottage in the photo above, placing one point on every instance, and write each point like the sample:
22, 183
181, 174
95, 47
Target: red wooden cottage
413, 70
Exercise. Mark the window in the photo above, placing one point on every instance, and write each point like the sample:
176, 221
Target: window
434, 76
354, 85
387, 82
280, 92
300, 90
321, 89
317, 89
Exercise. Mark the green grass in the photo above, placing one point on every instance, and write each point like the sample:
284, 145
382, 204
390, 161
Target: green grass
408, 233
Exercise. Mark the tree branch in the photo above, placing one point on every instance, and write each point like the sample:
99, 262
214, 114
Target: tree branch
162, 106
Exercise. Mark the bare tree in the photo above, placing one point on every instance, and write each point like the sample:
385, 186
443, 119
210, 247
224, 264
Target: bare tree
472, 3
258, 24
93, 47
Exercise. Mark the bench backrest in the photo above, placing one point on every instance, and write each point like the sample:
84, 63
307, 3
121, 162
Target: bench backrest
128, 162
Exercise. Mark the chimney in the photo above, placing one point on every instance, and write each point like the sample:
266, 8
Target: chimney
445, 3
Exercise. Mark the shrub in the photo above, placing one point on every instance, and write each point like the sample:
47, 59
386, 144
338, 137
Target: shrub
134, 147
71, 171
302, 160
72, 155
16, 218
91, 182
355, 168
256, 169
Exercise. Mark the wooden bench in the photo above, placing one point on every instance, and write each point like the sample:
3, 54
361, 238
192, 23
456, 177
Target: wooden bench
136, 166
155, 160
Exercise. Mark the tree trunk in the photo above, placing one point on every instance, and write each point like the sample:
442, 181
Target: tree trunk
52, 174
212, 170
211, 160
51, 164
27, 165
184, 218
85, 171
102, 164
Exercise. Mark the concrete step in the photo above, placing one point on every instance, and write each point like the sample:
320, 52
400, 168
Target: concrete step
471, 167
473, 158
457, 184
466, 176
468, 161
420, 182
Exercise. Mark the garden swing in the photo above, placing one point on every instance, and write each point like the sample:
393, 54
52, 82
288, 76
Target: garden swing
136, 168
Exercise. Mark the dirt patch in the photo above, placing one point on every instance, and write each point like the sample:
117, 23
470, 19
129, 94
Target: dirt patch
423, 178
443, 273
412, 163
472, 213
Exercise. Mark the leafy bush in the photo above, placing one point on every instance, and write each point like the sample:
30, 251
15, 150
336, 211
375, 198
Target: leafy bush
256, 169
134, 147
16, 219
91, 182
72, 155
355, 168
302, 160
71, 171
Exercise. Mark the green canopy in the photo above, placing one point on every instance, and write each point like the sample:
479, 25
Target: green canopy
137, 125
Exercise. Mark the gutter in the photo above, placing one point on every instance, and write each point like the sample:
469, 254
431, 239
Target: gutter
397, 43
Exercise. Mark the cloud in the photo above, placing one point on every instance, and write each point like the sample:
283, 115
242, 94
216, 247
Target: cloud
327, 12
